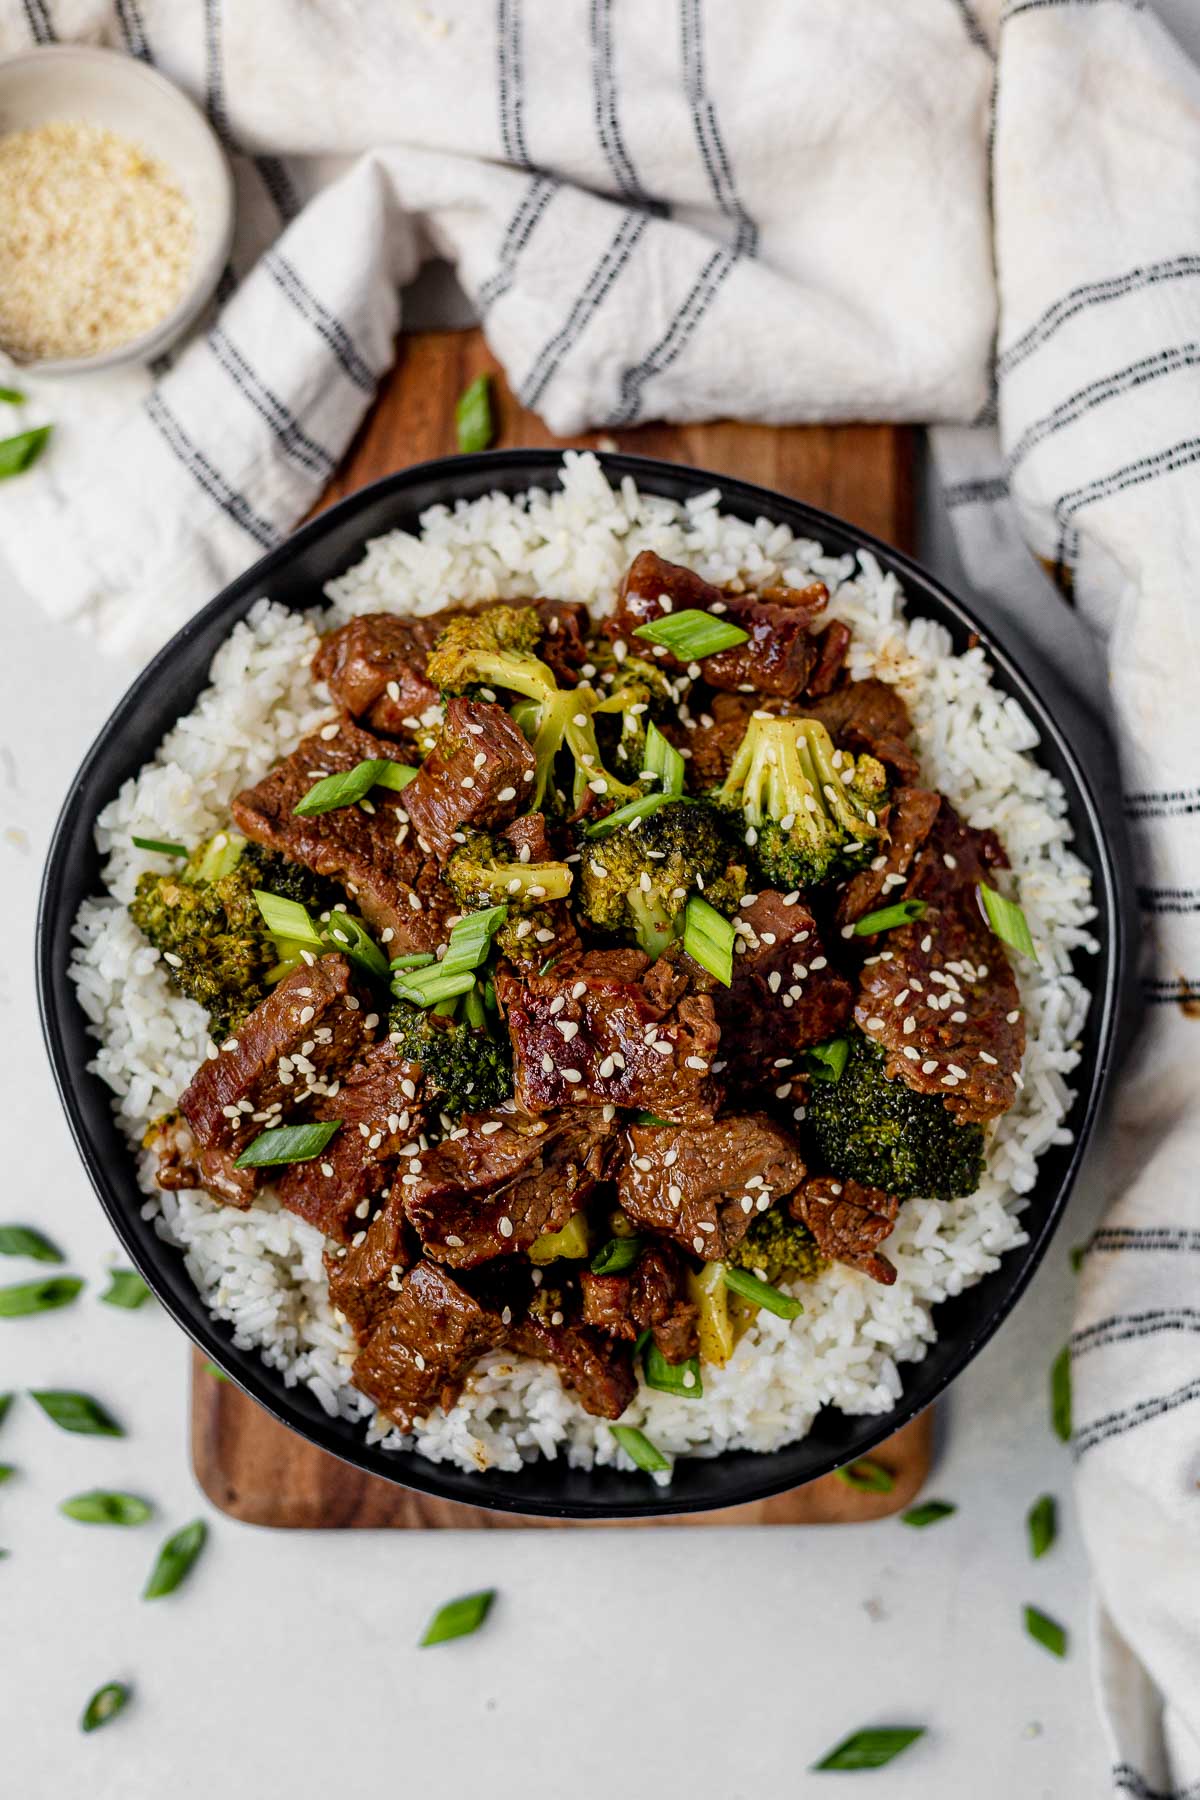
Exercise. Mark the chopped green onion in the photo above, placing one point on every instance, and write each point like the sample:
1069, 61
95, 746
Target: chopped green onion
175, 1559
419, 959
690, 635
473, 423
1078, 1253
287, 1144
1045, 1631
104, 1705
1007, 921
458, 1618
17, 453
160, 847
474, 1011
827, 1061
761, 1293
7, 1471
1042, 1524
888, 917
100, 1507
349, 935
27, 1297
343, 789
866, 1477
1060, 1395
871, 1749
471, 939
928, 1513
672, 1378
395, 776
76, 1412
210, 1368
426, 987
287, 919
639, 1449
22, 1240
663, 759
125, 1288
618, 1254
12, 396
708, 938
636, 809
6, 1401
645, 1118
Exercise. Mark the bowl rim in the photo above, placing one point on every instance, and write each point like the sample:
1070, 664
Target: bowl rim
751, 1480
207, 265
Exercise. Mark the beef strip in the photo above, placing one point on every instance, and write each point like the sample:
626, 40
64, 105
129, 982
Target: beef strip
651, 1296
868, 715
565, 626
368, 847
849, 1222
777, 656
610, 1029
784, 994
598, 1370
907, 821
377, 1106
364, 1276
703, 1185
476, 776
425, 1345
832, 646
375, 668
501, 1180
295, 1044
941, 997
528, 834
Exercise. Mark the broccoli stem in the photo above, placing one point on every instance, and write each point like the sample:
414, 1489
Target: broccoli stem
652, 924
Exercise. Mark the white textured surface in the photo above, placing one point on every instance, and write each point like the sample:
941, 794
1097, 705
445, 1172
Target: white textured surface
826, 1629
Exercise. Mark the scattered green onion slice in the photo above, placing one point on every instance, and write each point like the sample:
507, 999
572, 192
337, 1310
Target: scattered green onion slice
618, 1254
473, 423
160, 847
761, 1293
636, 809
1042, 1524
871, 1749
663, 759
104, 1705
1046, 1631
708, 938
645, 1118
827, 1061
689, 635
343, 789
22, 1240
12, 396
17, 453
888, 917
1077, 1255
419, 959
76, 1412
125, 1288
639, 1449
210, 1368
672, 1378
458, 1618
6, 1401
100, 1507
287, 919
426, 987
287, 1144
471, 939
175, 1560
1007, 921
474, 1011
867, 1477
27, 1297
7, 1471
349, 935
930, 1512
1060, 1395
395, 776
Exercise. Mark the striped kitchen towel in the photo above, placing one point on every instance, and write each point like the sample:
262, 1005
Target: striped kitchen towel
980, 213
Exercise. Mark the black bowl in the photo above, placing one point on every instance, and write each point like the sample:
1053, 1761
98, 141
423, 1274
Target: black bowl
295, 574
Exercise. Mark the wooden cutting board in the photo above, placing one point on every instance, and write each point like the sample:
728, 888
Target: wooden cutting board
250, 1466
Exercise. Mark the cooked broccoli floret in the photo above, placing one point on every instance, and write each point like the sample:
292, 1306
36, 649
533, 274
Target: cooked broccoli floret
809, 810
494, 649
640, 876
467, 1068
884, 1134
777, 1246
634, 693
206, 923
485, 872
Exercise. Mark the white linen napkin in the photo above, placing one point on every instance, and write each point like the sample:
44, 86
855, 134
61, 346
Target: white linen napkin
662, 213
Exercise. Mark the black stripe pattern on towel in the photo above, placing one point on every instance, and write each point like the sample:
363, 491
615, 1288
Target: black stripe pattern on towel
1126, 1328
1094, 293
326, 325
598, 284
510, 82
37, 17
271, 170
536, 199
1127, 1780
605, 97
234, 505
1130, 1418
292, 437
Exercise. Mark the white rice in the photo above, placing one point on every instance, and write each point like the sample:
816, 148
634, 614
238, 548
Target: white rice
261, 1270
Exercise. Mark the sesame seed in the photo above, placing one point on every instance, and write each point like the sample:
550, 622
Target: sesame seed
507, 793
661, 1047
418, 1359
455, 1243
696, 1062
912, 1055
675, 1196
571, 1075
327, 1169
358, 1238
698, 1245
927, 943
985, 1057
774, 981
1012, 1017
547, 1063
393, 690
568, 1027
909, 1026
928, 1068
505, 1226
169, 956
874, 1024
543, 934
492, 1126
958, 1018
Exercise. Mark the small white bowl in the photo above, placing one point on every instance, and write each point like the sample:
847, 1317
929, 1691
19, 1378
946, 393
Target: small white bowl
118, 93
